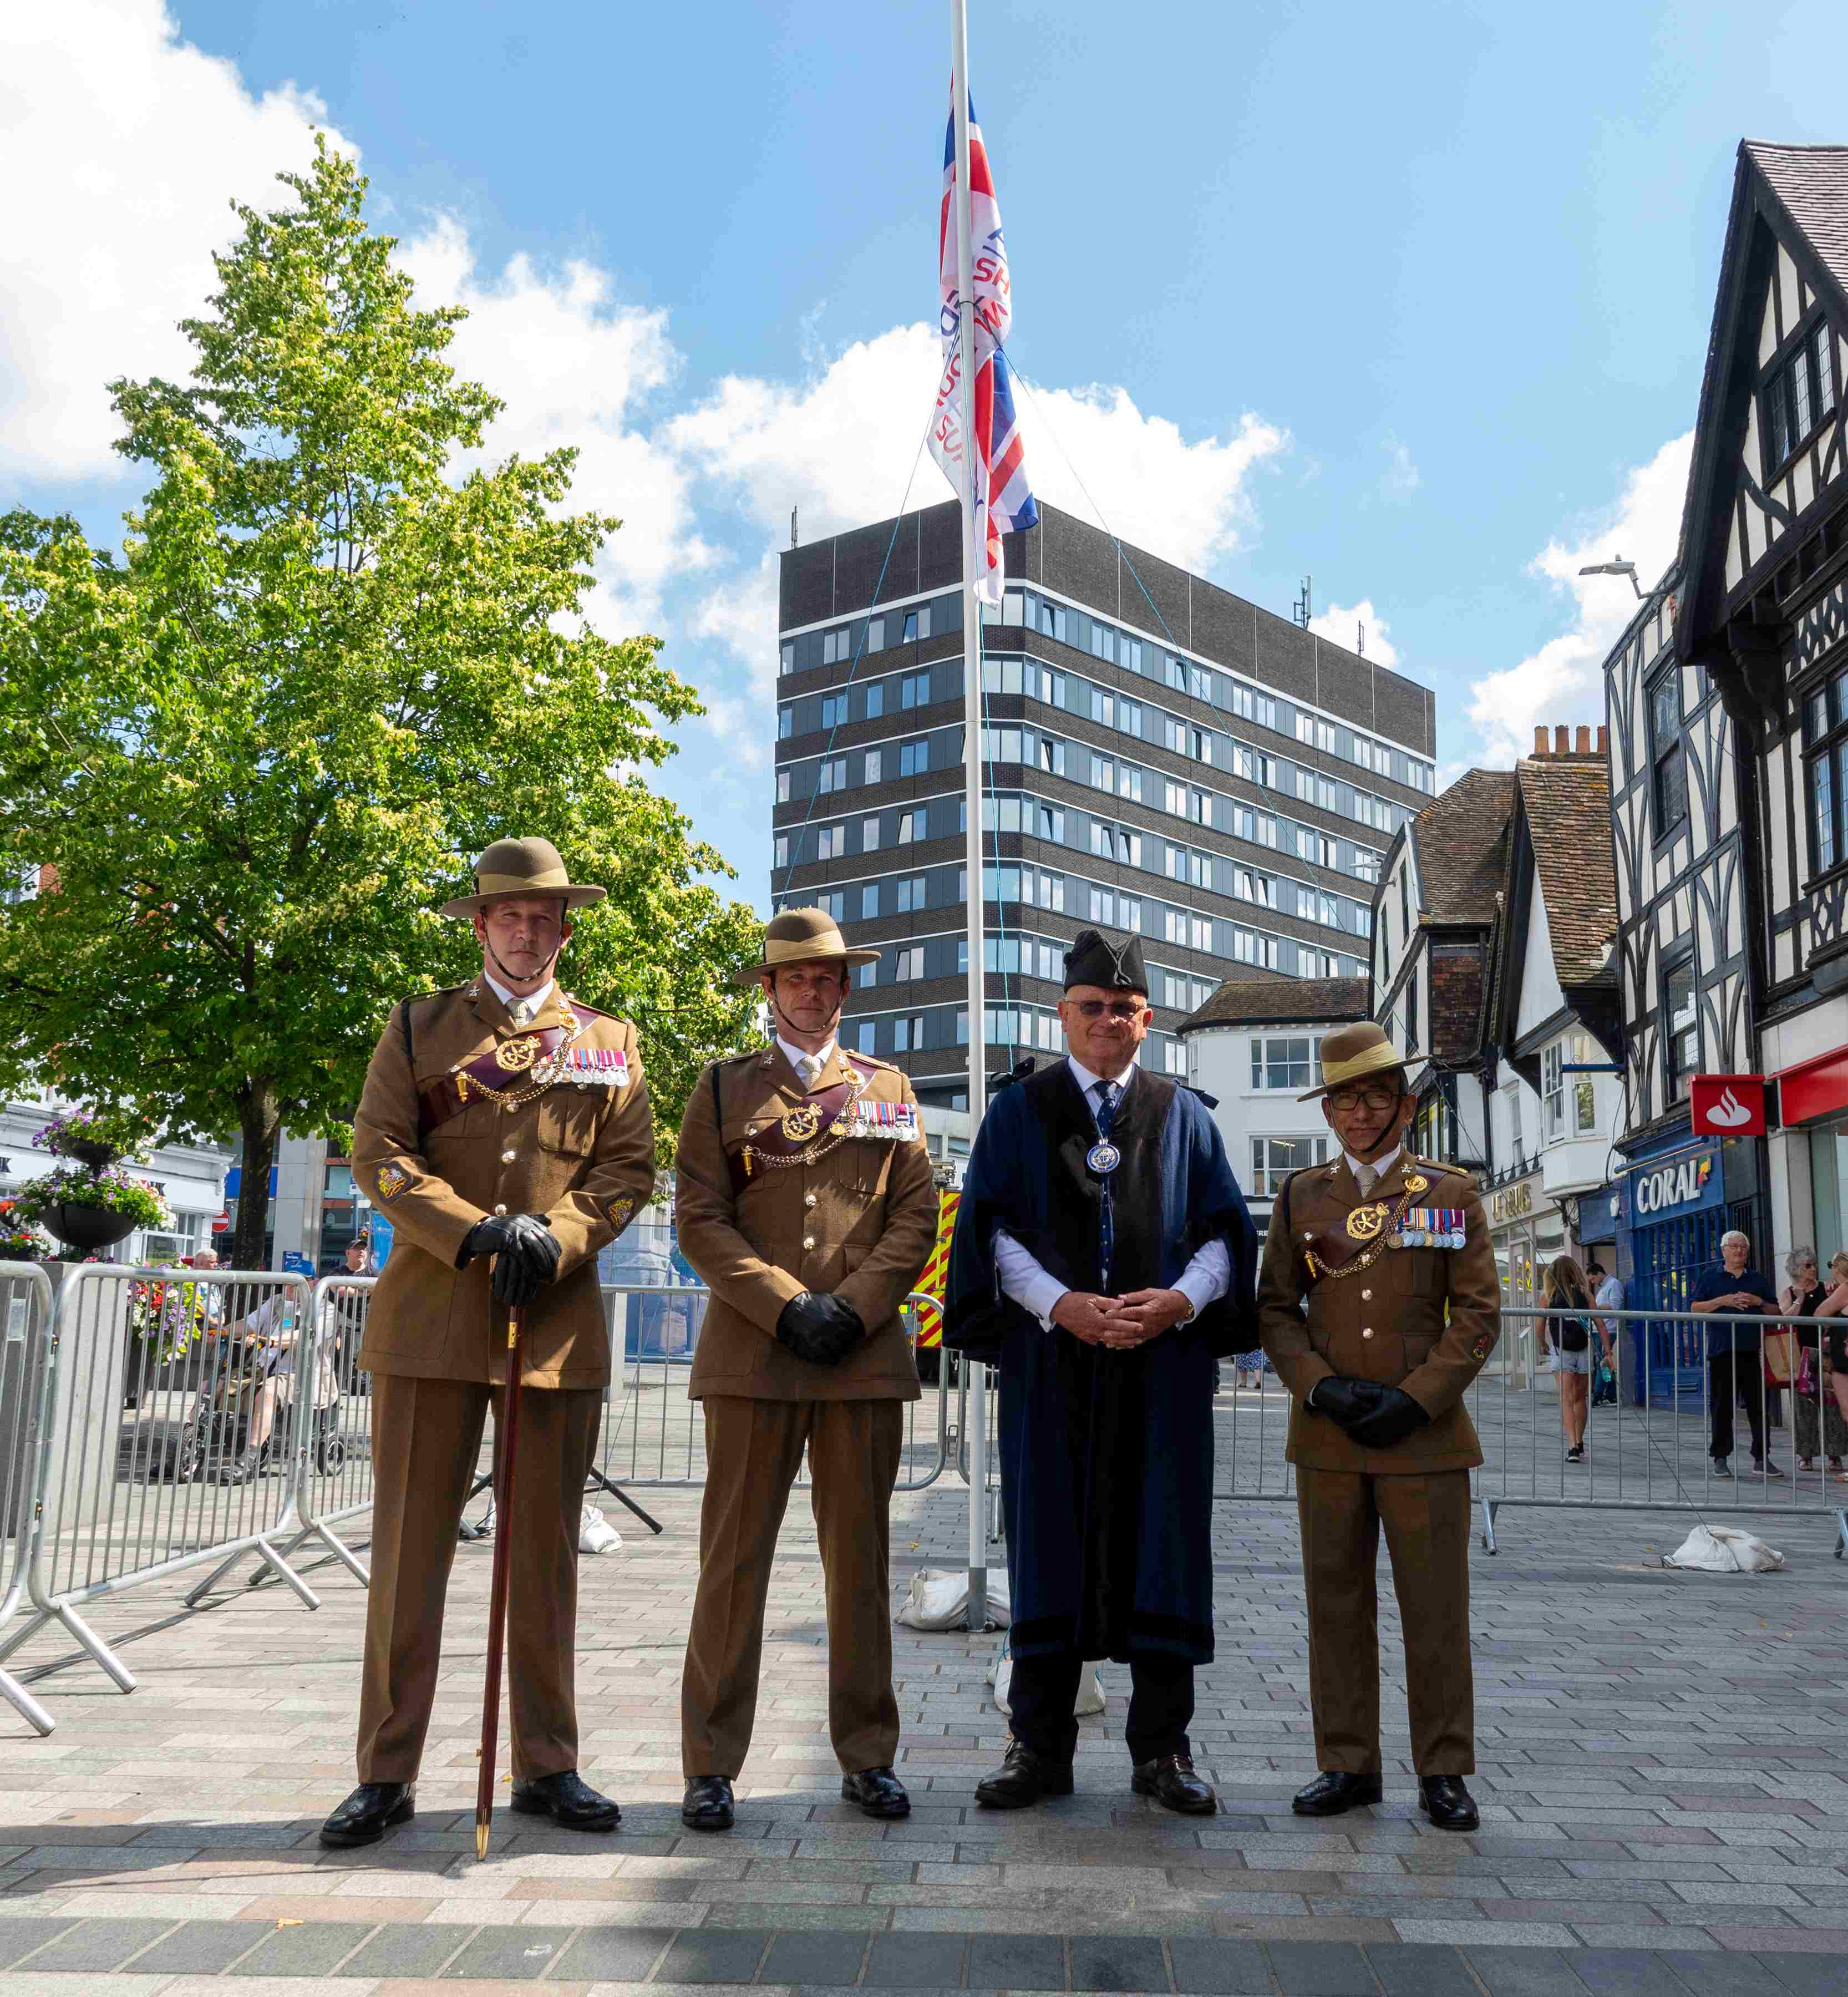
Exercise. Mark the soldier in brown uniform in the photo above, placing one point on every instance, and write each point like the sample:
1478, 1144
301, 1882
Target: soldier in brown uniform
505, 1129
806, 1200
1379, 1302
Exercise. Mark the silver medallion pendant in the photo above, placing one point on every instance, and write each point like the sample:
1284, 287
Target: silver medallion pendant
1103, 1157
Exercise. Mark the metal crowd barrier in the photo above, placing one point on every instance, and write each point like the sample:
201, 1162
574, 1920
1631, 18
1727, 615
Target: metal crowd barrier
163, 1437
1651, 1451
25, 1311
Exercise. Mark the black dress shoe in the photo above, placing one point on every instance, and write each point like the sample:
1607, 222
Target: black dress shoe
566, 1798
1174, 1782
1022, 1779
878, 1791
1335, 1792
707, 1806
369, 1813
1447, 1803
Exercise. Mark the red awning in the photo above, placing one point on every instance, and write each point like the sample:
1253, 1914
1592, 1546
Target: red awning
1815, 1087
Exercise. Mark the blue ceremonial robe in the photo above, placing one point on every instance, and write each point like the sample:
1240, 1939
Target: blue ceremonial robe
1106, 1456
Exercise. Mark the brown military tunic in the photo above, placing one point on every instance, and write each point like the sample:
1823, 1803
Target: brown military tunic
856, 1215
436, 1153
1424, 1318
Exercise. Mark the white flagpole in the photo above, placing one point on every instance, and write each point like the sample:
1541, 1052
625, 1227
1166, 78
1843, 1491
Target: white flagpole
973, 553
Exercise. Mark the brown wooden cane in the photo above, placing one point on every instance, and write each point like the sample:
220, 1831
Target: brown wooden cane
506, 1438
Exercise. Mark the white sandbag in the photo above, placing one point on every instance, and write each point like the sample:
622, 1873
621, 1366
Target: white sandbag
596, 1534
1090, 1687
939, 1599
1724, 1550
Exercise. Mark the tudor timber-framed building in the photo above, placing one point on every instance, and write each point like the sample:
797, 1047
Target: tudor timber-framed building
1728, 704
1163, 757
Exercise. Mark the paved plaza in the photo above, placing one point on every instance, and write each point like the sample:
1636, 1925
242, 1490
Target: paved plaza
1664, 1781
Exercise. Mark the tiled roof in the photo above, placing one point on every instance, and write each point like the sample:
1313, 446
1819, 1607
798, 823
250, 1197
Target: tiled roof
1281, 1000
1811, 182
1568, 805
1461, 840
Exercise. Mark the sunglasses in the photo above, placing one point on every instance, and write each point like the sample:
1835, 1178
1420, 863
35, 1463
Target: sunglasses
1378, 1098
1095, 1008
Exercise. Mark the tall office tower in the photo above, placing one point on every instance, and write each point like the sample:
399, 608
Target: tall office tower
1165, 757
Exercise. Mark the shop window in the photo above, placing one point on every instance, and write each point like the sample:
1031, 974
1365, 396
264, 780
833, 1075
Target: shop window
1273, 1159
1681, 1031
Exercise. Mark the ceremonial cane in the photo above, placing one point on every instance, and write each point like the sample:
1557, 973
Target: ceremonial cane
506, 1435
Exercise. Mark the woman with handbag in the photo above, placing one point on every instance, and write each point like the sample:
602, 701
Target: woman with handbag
1568, 1299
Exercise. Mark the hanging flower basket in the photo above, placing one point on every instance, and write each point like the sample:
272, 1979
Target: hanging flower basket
21, 1239
92, 1210
89, 1228
95, 1137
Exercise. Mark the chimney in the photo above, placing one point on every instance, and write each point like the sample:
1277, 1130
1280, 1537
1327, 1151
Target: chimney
1539, 739
1560, 736
1604, 741
1581, 741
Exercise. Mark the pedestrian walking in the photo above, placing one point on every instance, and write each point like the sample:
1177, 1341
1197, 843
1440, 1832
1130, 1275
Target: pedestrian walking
1573, 1332
1380, 1302
1728, 1292
1818, 1380
805, 1200
505, 1129
1103, 1260
1608, 1290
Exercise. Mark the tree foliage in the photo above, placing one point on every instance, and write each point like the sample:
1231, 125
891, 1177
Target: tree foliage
258, 747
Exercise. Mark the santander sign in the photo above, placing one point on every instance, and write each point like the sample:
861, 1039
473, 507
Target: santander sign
1728, 1105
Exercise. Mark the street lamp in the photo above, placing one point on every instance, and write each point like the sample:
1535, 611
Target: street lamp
1616, 566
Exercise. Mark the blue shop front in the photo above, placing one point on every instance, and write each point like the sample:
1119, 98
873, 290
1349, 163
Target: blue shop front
1672, 1206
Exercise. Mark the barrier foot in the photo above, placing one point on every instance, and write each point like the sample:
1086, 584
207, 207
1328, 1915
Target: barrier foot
1489, 1506
100, 1651
289, 1552
211, 1580
285, 1572
17, 1696
342, 1553
611, 1489
37, 1620
1841, 1533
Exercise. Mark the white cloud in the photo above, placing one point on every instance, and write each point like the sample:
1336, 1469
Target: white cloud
120, 147
575, 368
1401, 479
839, 445
1563, 681
1338, 623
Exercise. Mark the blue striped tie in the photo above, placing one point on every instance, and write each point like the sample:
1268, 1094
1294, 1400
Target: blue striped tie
1107, 1093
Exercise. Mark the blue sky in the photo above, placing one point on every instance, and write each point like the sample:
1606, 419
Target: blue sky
1414, 299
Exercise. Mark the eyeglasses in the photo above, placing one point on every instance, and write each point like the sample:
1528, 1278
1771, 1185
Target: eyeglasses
1378, 1097
1095, 1008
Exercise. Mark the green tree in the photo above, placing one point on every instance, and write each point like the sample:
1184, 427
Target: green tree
256, 749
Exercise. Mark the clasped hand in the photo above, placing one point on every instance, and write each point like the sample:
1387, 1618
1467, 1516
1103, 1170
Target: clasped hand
526, 1255
1120, 1323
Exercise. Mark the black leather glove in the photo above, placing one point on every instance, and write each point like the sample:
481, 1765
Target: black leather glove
527, 1254
819, 1329
1397, 1416
1346, 1401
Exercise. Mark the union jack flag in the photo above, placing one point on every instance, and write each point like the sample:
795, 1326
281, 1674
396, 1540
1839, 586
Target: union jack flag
1002, 499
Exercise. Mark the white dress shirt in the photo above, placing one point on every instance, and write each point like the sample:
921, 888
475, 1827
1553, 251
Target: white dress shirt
1206, 1278
1378, 1167
796, 1056
532, 1000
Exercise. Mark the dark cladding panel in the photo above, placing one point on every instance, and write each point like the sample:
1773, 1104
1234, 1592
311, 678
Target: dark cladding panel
1223, 628
940, 551
1286, 657
1081, 562
1020, 556
1405, 711
1344, 683
1165, 586
805, 590
857, 556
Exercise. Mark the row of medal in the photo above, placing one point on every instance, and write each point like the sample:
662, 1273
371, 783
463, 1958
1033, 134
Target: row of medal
1429, 1227
888, 1122
592, 1067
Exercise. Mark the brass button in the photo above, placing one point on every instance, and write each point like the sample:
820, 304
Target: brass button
500, 1209
1308, 1234
508, 1157
808, 1199
1367, 1331
1366, 1295
807, 1240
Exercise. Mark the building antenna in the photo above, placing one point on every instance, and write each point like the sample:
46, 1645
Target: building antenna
1361, 639
794, 541
1299, 610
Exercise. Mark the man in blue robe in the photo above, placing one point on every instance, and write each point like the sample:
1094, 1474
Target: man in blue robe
1103, 1260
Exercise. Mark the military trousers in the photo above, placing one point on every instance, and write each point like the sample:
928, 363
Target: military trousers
426, 1440
1426, 1522
754, 1451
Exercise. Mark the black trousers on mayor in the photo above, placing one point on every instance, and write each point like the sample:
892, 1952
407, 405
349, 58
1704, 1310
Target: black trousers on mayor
1044, 1689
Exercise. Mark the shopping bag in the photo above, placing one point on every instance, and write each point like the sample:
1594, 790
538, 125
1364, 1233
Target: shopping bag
1001, 1675
1778, 1356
